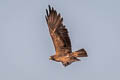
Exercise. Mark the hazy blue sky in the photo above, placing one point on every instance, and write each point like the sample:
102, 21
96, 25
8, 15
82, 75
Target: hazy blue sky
25, 44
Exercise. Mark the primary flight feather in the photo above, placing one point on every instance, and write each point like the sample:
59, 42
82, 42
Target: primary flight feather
61, 40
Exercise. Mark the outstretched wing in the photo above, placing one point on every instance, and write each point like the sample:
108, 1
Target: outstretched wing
58, 32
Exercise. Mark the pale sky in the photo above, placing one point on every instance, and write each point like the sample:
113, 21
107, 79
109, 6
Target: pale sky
25, 44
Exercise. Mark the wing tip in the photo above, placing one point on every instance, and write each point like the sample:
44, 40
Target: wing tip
47, 12
46, 18
49, 8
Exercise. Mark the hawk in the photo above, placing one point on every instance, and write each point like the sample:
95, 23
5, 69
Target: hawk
61, 40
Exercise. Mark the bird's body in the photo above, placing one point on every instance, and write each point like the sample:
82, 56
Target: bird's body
61, 40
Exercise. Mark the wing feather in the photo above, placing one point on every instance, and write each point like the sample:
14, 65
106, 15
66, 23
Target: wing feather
58, 32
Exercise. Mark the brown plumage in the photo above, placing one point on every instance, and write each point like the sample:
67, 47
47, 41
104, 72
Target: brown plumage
61, 40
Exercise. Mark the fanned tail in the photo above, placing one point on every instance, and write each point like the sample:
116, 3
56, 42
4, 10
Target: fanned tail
80, 53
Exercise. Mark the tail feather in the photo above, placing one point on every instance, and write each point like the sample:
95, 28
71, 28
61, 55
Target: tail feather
80, 53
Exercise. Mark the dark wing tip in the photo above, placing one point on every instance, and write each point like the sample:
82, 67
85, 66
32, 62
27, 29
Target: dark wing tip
48, 5
46, 18
59, 15
47, 12
49, 8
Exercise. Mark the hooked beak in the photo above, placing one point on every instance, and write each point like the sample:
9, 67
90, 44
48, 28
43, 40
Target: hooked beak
50, 58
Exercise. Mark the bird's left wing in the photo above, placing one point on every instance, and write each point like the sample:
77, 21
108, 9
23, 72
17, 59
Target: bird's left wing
58, 32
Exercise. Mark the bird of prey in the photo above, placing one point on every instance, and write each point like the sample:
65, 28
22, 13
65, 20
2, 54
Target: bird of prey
61, 40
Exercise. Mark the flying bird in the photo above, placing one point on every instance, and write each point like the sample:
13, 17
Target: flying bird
61, 40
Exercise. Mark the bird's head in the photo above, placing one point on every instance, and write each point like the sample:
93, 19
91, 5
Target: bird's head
51, 58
